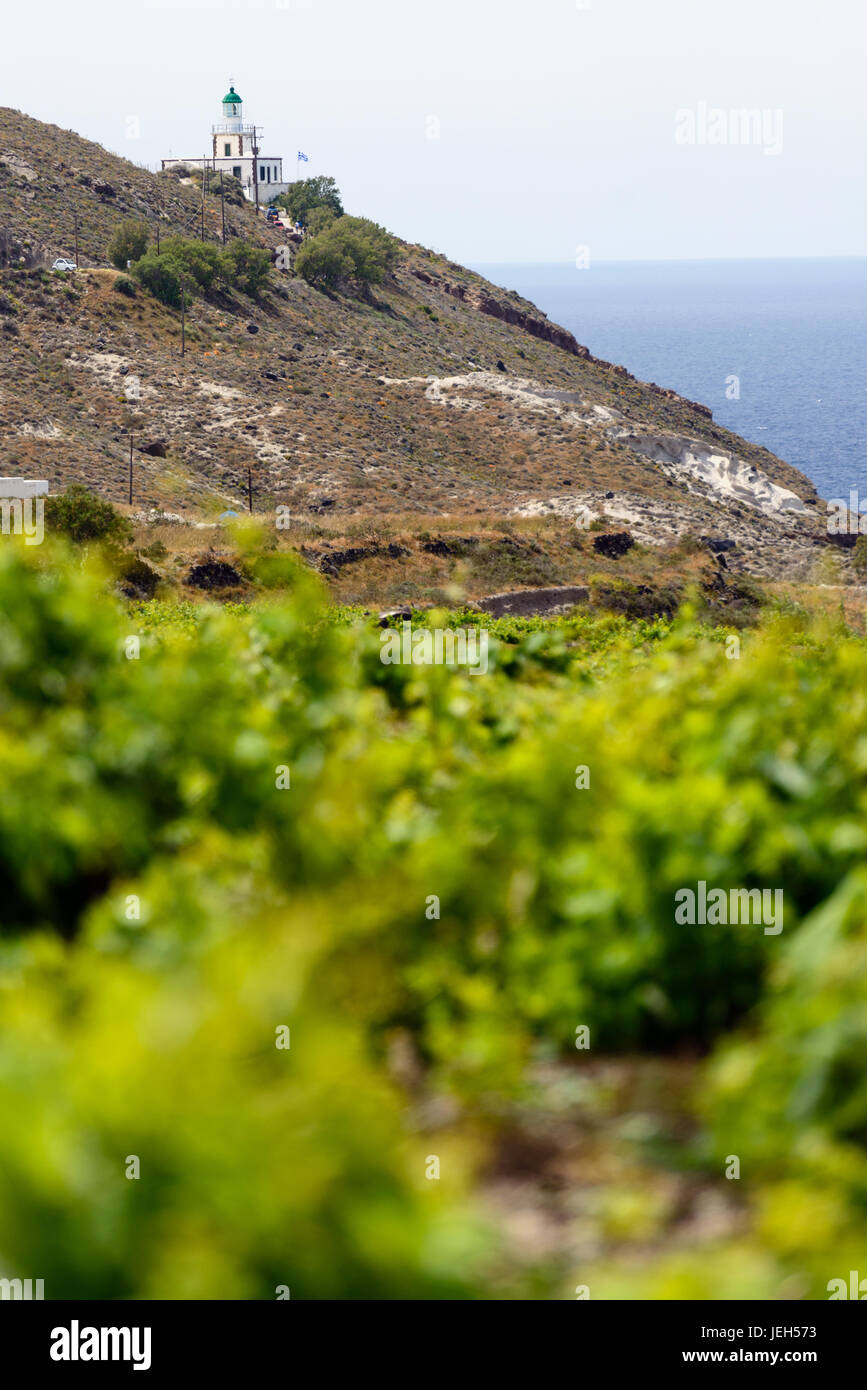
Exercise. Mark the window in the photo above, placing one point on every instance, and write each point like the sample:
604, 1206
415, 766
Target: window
236, 172
227, 148
262, 174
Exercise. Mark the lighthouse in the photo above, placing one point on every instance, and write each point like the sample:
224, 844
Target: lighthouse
228, 134
236, 149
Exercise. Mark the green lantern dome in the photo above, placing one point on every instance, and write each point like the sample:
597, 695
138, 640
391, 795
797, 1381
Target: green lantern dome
231, 98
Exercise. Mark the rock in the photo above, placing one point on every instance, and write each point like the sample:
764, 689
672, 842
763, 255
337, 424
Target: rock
214, 574
437, 547
613, 544
335, 559
320, 504
501, 366
157, 449
138, 579
403, 615
529, 603
506, 313
105, 190
252, 328
639, 600
717, 545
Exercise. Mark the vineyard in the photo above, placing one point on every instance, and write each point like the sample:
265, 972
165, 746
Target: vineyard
374, 968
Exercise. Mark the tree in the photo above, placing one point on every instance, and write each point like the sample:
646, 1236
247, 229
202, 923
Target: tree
201, 268
302, 197
195, 260
129, 242
320, 219
160, 276
246, 267
352, 248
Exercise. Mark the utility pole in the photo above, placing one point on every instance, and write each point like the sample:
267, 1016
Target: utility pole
75, 224
204, 172
256, 164
222, 208
250, 489
130, 467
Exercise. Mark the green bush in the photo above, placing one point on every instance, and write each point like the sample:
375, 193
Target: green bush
198, 263
160, 276
246, 267
129, 242
320, 219
124, 285
202, 268
352, 248
302, 198
81, 515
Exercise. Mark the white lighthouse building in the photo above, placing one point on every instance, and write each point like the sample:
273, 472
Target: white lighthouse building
235, 148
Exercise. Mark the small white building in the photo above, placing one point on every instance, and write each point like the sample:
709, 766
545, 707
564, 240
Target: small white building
235, 148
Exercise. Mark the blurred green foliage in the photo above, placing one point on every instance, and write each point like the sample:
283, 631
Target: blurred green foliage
168, 905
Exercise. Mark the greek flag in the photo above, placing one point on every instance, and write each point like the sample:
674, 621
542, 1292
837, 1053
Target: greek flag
304, 157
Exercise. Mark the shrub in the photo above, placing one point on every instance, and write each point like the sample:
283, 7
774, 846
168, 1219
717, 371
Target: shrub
320, 219
124, 285
246, 267
81, 515
202, 267
322, 262
198, 262
129, 242
352, 248
160, 276
859, 554
303, 197
233, 190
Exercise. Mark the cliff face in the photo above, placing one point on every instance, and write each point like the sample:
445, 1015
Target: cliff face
486, 303
440, 396
537, 325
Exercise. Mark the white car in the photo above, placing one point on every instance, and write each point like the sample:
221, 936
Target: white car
62, 264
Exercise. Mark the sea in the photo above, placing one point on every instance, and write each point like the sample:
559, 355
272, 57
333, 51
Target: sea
776, 348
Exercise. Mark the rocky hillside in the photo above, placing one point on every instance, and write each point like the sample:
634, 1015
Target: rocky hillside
442, 400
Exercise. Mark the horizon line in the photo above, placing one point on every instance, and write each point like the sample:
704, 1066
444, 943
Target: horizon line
690, 260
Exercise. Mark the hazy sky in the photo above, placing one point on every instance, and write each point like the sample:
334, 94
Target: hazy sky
495, 130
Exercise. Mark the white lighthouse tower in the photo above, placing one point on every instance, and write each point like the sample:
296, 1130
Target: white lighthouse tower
234, 151
228, 134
